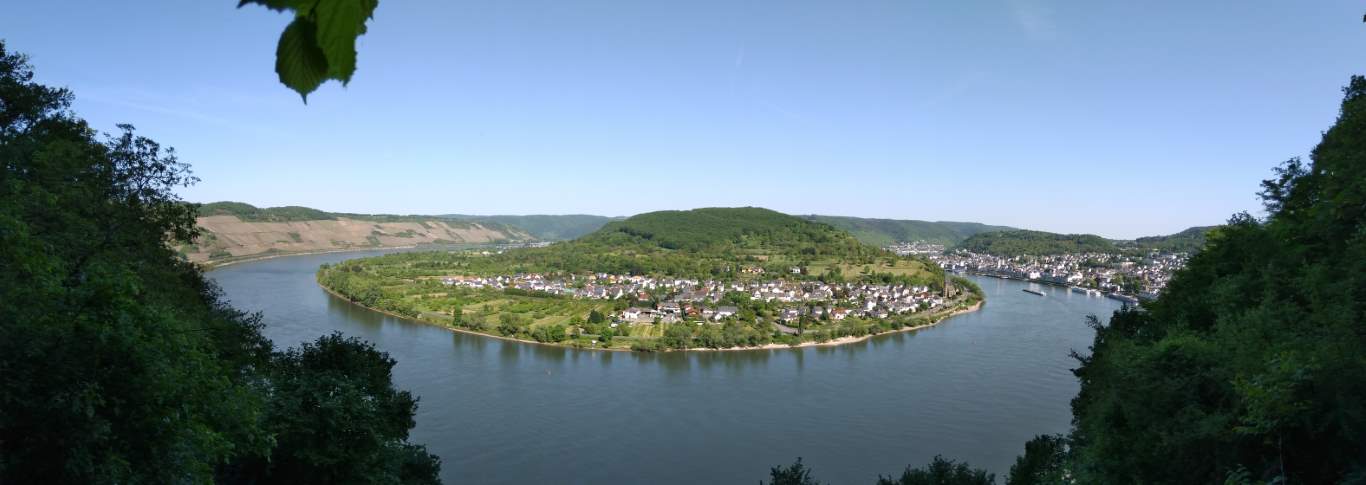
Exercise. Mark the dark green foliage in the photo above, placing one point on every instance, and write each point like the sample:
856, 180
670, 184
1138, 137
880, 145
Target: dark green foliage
1039, 243
882, 232
1043, 463
337, 418
702, 243
794, 474
119, 361
1035, 243
1251, 364
1187, 241
725, 227
249, 213
938, 472
320, 43
941, 472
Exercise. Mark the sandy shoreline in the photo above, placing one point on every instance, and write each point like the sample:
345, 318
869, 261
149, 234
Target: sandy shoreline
829, 343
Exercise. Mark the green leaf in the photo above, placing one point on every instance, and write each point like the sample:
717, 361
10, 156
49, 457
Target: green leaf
299, 61
339, 23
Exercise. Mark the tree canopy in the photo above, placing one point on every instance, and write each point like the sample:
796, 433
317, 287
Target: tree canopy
121, 363
1249, 368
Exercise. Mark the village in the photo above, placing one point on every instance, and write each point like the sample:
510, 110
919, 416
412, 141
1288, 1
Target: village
1127, 278
712, 301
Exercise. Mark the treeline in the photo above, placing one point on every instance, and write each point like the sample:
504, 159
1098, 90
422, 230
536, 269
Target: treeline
1187, 241
1035, 243
737, 230
121, 363
940, 471
1039, 243
250, 213
1250, 367
883, 232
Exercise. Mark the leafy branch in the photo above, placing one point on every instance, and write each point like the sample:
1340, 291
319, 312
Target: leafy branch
320, 43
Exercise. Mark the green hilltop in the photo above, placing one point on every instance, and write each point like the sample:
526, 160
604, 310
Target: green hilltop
703, 243
1035, 243
1189, 240
746, 229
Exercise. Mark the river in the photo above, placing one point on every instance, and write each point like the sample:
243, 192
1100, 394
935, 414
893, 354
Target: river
974, 388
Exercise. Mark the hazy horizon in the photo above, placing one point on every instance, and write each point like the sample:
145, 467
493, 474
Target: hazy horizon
622, 216
1121, 119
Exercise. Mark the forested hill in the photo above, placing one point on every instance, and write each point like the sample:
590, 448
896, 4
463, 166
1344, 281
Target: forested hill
545, 227
1039, 243
750, 230
707, 243
1035, 243
882, 232
1189, 240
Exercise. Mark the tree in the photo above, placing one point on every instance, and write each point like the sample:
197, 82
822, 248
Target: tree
1250, 362
596, 317
941, 472
119, 361
1043, 462
337, 418
794, 474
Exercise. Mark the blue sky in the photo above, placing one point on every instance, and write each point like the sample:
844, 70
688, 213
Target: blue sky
1111, 117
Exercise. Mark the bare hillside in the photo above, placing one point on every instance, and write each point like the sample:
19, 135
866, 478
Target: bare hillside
228, 237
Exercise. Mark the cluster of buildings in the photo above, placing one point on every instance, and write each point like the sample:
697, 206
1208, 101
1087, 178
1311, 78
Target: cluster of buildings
1124, 277
918, 247
700, 301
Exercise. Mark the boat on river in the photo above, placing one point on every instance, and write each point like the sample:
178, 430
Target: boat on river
1034, 292
1122, 297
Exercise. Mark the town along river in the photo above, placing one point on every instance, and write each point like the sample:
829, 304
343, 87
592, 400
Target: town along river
975, 388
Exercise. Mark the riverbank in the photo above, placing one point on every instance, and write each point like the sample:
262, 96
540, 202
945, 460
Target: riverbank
210, 265
935, 319
206, 266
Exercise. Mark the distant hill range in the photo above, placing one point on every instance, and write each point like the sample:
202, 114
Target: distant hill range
545, 227
1023, 242
882, 232
235, 230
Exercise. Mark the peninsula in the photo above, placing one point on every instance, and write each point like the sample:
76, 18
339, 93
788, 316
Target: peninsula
716, 278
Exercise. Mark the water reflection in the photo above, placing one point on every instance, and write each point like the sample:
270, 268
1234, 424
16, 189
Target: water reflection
974, 388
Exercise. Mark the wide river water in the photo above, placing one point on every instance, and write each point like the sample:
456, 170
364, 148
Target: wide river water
975, 388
